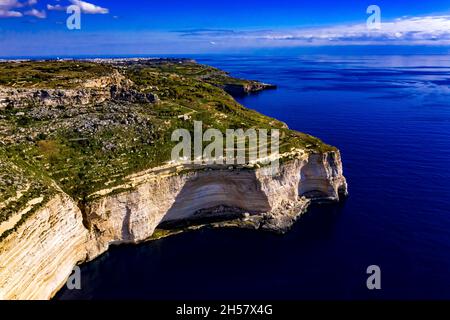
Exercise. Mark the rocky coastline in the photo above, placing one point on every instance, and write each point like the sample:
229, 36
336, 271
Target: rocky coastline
50, 222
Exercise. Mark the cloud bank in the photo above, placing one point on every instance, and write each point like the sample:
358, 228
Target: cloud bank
89, 8
8, 9
36, 13
18, 9
406, 30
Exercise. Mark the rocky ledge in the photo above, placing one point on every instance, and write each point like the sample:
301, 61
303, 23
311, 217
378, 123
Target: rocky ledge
36, 259
247, 88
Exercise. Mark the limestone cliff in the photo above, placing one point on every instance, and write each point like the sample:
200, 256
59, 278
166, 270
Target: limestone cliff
36, 259
84, 150
114, 87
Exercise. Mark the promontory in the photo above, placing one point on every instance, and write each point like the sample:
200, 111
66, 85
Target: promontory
85, 163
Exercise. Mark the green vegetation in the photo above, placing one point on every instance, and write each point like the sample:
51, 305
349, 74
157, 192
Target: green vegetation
50, 74
163, 233
87, 148
20, 183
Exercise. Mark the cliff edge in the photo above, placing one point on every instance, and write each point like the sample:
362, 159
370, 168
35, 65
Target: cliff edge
84, 164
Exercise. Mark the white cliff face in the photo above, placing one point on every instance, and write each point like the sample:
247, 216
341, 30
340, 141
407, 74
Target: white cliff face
36, 259
133, 216
322, 177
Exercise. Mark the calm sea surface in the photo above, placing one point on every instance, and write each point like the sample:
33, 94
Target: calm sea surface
390, 117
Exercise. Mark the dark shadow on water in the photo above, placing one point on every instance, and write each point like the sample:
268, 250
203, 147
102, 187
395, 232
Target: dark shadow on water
210, 264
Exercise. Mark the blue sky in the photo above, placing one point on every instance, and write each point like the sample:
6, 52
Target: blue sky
38, 27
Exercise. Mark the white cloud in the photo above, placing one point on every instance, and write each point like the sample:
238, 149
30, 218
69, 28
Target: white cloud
7, 9
56, 7
36, 13
10, 14
405, 30
89, 8
8, 4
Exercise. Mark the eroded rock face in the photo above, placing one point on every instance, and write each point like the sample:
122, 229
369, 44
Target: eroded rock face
322, 177
133, 216
23, 98
124, 94
36, 259
95, 91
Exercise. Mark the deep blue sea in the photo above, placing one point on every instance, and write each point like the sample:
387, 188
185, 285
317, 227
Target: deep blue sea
390, 117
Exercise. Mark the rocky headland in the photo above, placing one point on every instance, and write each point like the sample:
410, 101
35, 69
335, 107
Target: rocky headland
84, 164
